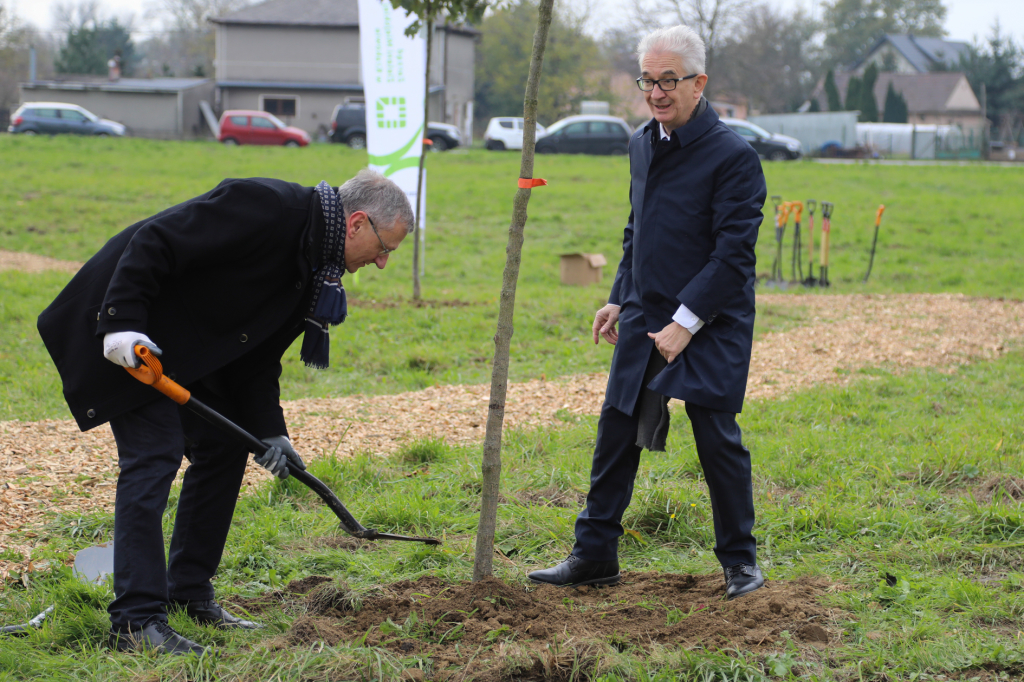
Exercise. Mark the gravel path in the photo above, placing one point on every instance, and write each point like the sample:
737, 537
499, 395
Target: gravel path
49, 466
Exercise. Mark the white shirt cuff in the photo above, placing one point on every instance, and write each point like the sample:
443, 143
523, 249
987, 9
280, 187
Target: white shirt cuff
687, 320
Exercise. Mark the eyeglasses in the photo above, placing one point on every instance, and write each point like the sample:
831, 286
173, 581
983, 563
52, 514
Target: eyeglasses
666, 84
384, 250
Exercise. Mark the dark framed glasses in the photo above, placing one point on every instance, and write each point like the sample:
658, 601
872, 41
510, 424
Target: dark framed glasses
384, 250
666, 84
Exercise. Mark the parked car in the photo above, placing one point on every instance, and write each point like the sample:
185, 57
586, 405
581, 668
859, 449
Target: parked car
506, 132
238, 126
771, 146
53, 118
348, 126
590, 134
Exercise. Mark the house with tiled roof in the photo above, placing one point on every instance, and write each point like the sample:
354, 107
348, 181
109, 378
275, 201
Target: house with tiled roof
297, 59
942, 97
912, 54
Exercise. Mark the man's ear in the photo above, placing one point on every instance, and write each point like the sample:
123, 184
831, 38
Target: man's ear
350, 224
700, 83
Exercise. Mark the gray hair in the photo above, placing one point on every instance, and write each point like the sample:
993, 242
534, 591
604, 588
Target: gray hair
380, 198
680, 40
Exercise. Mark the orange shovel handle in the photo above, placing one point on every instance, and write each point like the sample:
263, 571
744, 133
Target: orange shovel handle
151, 372
878, 216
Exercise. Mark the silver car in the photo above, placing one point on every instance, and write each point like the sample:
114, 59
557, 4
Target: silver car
56, 118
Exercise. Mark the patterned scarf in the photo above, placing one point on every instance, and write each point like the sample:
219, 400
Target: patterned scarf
328, 305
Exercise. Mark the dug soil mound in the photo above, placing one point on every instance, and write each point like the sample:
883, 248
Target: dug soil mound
472, 624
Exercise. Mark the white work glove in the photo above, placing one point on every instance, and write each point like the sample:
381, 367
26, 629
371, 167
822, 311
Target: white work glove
119, 347
279, 456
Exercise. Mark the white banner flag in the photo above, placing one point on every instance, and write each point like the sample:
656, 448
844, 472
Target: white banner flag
393, 82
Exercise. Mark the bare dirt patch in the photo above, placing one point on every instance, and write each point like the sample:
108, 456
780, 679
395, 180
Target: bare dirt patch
504, 630
1005, 489
29, 262
49, 466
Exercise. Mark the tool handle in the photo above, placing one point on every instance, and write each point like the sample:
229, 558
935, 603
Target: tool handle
784, 218
824, 248
878, 216
811, 205
776, 199
151, 372
798, 207
810, 236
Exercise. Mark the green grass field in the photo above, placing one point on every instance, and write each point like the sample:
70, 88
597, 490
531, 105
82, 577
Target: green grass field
945, 229
884, 487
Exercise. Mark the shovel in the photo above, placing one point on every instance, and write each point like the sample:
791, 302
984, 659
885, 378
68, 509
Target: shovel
874, 242
780, 232
797, 264
811, 205
826, 229
151, 373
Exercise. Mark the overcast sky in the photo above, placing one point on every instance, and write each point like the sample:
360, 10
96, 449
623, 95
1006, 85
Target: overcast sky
965, 20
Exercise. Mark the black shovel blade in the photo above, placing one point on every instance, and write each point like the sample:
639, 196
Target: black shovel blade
407, 538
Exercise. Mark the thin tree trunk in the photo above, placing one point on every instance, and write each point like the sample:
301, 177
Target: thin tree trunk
483, 564
419, 180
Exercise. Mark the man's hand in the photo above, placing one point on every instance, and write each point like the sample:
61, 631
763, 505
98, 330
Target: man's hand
279, 456
119, 347
604, 323
671, 340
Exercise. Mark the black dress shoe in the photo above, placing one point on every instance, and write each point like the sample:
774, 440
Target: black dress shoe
741, 579
209, 612
155, 635
574, 572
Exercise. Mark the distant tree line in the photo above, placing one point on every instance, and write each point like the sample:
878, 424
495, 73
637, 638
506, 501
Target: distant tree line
775, 58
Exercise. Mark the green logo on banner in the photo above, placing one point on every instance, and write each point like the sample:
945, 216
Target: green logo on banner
391, 112
397, 160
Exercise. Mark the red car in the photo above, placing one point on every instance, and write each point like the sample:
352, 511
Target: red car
238, 126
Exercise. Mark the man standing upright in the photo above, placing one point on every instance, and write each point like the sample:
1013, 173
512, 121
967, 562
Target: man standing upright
683, 299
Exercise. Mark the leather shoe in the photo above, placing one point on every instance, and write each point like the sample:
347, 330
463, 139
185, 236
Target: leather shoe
574, 572
155, 635
741, 579
209, 612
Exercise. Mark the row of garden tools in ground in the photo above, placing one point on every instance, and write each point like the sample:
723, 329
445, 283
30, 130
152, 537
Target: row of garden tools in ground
783, 211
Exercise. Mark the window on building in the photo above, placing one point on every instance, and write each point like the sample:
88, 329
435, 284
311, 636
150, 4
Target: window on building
280, 106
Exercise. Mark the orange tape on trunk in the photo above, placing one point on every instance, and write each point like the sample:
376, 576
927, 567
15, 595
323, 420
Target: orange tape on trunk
530, 183
152, 372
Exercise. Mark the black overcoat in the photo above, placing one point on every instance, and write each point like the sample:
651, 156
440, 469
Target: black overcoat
219, 282
696, 208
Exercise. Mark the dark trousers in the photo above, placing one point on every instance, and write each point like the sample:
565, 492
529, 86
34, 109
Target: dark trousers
151, 441
726, 465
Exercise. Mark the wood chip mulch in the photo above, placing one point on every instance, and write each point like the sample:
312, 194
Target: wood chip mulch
49, 467
29, 262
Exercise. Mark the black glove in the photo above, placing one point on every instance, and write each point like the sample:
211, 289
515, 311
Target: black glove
279, 456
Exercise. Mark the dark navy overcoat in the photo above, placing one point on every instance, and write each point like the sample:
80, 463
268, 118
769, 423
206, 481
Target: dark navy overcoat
696, 208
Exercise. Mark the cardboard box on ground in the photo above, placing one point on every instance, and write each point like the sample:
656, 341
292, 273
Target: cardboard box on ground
581, 269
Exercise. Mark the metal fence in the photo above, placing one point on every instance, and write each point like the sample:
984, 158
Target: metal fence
914, 141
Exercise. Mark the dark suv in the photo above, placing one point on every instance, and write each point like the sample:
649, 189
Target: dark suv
348, 126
